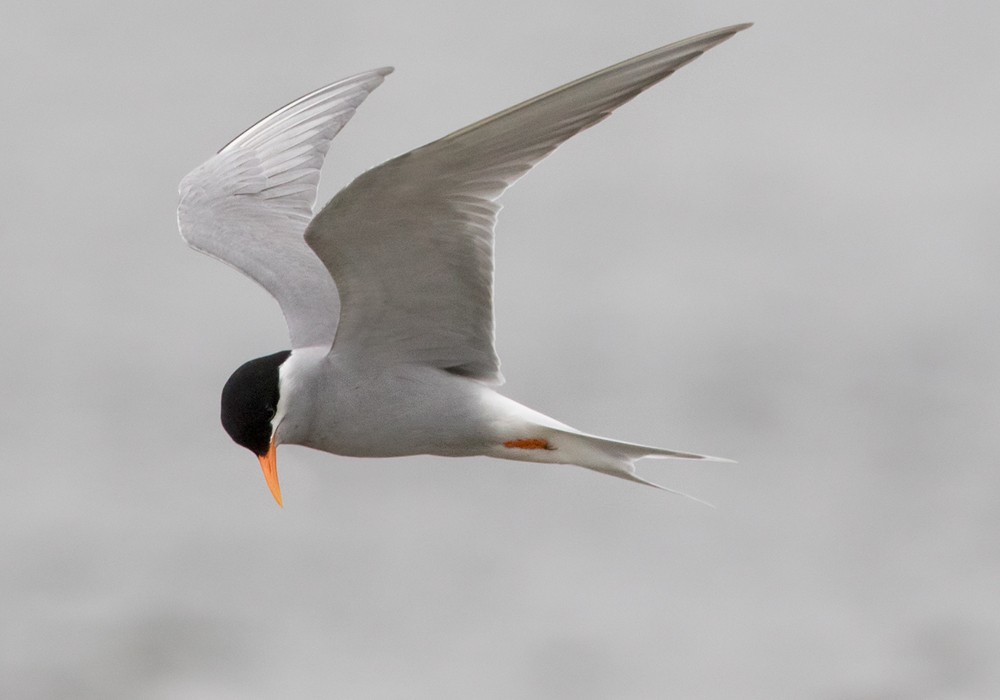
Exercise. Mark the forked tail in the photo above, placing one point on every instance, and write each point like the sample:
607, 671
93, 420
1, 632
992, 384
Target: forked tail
527, 435
616, 458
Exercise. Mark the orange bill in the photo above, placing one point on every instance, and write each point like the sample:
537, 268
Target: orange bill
269, 463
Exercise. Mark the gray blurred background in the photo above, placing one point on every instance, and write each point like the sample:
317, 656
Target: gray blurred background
786, 254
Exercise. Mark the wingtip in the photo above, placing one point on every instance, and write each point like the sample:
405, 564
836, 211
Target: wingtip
728, 32
734, 28
723, 460
723, 33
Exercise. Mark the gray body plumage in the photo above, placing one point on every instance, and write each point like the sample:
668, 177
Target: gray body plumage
358, 410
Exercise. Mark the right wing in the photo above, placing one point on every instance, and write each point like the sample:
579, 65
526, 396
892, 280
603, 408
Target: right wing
249, 205
410, 243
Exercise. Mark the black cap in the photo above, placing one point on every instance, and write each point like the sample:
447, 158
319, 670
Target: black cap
250, 400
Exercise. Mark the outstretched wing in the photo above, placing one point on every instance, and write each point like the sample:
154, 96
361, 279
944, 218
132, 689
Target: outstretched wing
249, 205
410, 243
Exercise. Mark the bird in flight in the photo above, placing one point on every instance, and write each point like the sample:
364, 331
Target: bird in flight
388, 291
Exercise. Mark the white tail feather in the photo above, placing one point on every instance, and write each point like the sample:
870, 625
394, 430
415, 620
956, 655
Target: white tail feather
632, 476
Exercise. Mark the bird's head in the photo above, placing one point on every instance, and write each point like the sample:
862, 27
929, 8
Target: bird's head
249, 407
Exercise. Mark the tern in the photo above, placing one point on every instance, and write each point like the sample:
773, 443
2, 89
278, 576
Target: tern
388, 291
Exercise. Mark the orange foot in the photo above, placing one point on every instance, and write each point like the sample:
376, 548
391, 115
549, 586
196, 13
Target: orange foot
529, 444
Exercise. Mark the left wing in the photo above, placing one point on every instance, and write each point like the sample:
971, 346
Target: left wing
249, 205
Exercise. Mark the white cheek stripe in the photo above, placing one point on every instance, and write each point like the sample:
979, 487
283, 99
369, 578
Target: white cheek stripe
290, 374
283, 392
